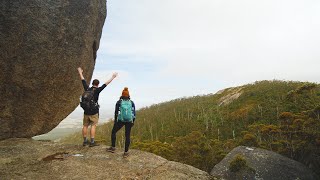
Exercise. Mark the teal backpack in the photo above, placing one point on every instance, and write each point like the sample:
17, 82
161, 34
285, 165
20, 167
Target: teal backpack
125, 113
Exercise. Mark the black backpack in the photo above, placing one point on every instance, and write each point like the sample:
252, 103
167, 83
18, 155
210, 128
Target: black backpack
87, 101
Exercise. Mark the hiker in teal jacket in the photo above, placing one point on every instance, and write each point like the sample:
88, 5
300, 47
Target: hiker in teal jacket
124, 115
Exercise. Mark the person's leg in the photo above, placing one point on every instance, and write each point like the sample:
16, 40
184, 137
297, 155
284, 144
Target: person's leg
116, 127
84, 133
93, 131
93, 121
85, 129
127, 133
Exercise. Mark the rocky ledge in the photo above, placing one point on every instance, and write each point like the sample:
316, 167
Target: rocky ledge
30, 159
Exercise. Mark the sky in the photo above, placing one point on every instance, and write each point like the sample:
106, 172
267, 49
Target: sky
169, 49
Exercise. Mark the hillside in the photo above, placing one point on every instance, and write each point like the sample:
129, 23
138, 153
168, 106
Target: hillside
276, 115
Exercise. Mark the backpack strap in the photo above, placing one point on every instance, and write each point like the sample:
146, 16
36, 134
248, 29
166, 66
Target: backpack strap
93, 90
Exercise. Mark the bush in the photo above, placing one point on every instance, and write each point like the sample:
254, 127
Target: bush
249, 140
238, 163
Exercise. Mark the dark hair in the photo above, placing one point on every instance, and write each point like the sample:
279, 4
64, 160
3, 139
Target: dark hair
95, 82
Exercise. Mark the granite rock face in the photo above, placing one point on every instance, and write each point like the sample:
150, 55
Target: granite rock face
29, 159
42, 43
262, 164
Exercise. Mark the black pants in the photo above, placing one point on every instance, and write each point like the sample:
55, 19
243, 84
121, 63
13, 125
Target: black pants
116, 127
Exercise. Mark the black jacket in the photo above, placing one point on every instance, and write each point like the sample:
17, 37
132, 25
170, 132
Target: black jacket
96, 96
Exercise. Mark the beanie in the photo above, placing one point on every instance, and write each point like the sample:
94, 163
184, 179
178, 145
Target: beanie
125, 92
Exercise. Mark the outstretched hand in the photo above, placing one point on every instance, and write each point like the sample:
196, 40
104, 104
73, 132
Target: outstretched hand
80, 70
114, 75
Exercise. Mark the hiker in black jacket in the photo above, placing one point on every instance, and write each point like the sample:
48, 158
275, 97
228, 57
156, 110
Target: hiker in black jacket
124, 115
91, 117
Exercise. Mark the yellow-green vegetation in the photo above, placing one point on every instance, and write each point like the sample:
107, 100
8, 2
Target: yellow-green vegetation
239, 166
238, 163
280, 116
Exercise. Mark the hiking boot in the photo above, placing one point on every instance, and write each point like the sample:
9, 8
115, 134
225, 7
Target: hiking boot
125, 154
93, 144
85, 143
111, 149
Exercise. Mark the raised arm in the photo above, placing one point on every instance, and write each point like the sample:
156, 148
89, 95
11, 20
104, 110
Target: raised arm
80, 73
114, 75
84, 83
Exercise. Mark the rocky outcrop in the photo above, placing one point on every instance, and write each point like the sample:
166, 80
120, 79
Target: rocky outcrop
262, 164
42, 44
232, 94
30, 159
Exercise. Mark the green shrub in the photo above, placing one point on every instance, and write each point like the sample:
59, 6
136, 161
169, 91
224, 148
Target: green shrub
249, 140
238, 163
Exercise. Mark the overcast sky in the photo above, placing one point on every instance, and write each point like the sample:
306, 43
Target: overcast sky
168, 49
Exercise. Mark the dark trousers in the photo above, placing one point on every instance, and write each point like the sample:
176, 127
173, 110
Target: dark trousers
116, 127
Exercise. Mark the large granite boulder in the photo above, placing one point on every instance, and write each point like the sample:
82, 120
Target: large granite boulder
260, 164
42, 43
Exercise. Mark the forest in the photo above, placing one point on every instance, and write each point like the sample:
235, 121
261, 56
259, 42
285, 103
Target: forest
281, 116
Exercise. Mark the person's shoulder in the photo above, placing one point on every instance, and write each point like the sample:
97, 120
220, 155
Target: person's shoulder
119, 101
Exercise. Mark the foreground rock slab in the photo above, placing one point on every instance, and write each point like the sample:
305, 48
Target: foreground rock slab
30, 159
262, 164
42, 43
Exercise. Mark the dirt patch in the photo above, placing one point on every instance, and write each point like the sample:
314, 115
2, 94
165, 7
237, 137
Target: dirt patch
57, 156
